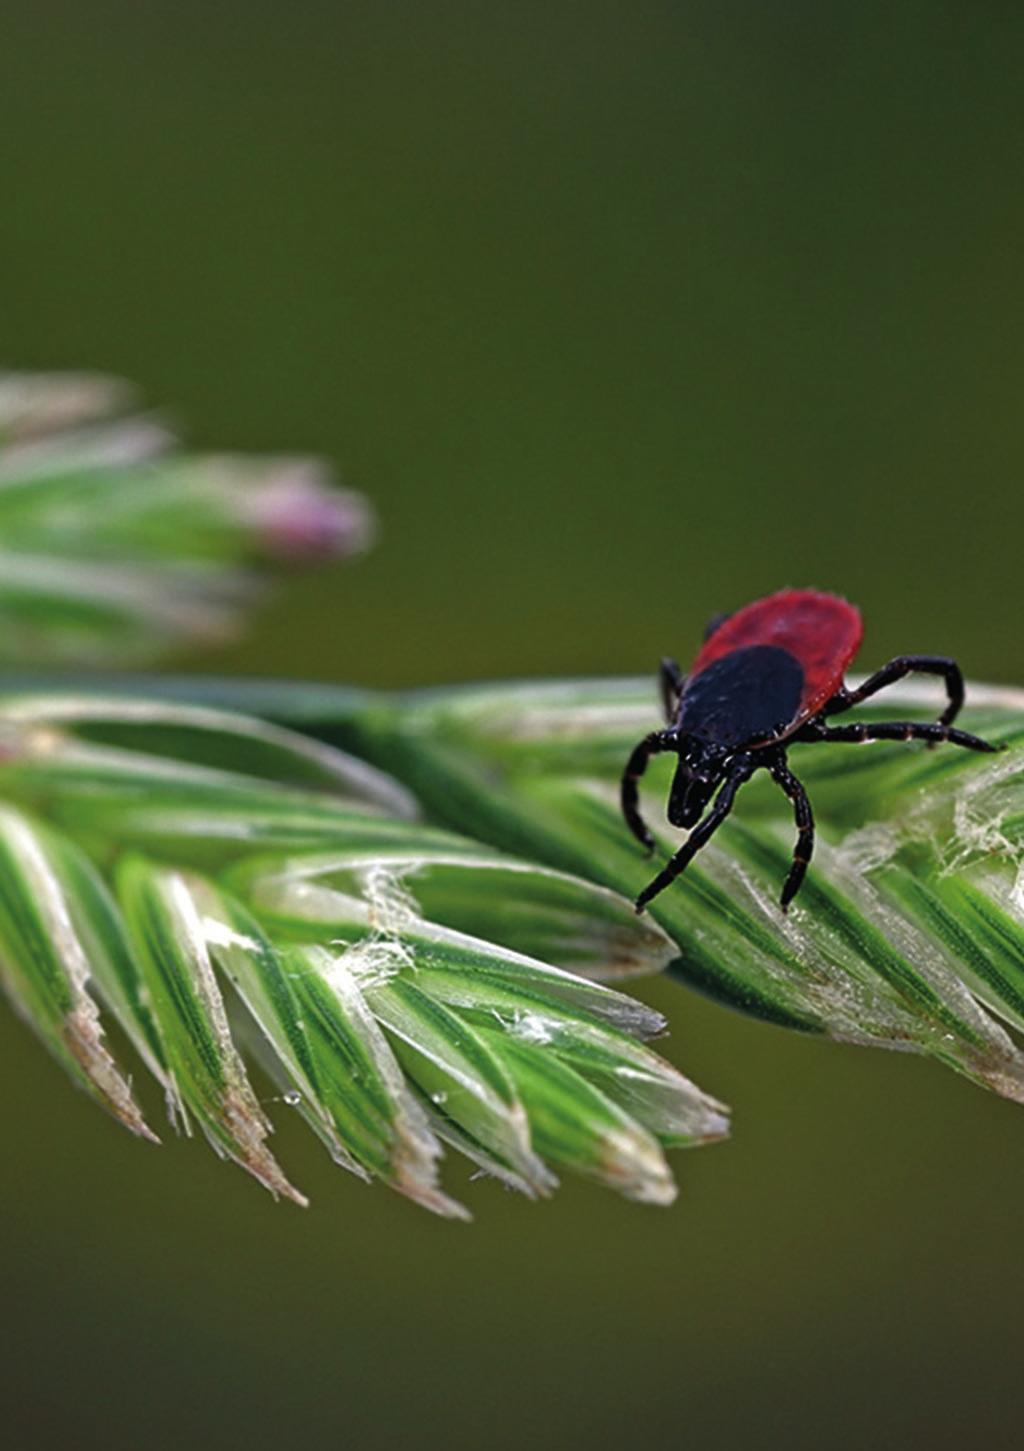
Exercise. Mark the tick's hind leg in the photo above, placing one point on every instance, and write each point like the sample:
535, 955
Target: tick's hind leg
628, 793
804, 848
895, 670
894, 730
741, 770
671, 680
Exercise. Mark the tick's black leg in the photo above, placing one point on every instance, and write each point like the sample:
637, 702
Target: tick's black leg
804, 824
635, 768
741, 770
893, 730
895, 670
714, 622
672, 681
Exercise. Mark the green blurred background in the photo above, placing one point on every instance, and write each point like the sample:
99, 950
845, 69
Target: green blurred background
622, 314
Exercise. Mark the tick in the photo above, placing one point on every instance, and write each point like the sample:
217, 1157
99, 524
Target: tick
766, 677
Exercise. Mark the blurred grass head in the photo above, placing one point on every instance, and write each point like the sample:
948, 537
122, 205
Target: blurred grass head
117, 545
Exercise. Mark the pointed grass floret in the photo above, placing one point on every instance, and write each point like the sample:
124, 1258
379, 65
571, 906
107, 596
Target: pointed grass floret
170, 948
50, 950
195, 854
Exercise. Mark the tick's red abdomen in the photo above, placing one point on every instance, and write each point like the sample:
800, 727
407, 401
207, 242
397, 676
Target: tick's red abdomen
821, 631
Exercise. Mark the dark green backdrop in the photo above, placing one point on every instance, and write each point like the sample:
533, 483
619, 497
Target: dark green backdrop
622, 313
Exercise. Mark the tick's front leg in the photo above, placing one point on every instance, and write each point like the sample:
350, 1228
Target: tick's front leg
741, 770
650, 746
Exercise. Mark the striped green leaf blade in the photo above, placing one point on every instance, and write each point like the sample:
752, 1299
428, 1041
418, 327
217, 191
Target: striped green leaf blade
532, 909
545, 919
186, 783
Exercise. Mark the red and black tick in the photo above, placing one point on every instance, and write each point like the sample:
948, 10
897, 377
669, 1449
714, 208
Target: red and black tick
768, 676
